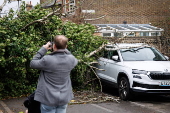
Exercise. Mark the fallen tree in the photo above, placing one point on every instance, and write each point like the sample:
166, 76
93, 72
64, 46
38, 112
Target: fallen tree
22, 36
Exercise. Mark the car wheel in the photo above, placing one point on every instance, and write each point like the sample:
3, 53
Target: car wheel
124, 89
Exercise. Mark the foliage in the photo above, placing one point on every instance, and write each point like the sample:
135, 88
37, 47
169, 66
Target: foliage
18, 45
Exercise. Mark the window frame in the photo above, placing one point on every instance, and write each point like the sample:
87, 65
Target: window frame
72, 6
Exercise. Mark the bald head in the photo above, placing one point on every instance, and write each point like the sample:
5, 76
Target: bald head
60, 41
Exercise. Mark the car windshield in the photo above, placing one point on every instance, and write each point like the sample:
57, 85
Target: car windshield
142, 54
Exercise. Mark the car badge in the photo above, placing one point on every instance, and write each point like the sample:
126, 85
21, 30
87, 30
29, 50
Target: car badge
166, 70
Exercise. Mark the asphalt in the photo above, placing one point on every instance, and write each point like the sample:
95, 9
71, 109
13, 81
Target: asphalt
155, 104
16, 106
144, 104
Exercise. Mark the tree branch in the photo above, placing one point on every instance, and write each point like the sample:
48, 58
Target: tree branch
97, 50
118, 40
90, 81
93, 63
1, 7
98, 79
41, 20
92, 68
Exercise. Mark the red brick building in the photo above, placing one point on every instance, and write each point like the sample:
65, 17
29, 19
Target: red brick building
117, 11
154, 12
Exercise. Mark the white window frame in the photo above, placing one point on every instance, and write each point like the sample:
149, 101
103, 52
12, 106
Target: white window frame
69, 6
72, 5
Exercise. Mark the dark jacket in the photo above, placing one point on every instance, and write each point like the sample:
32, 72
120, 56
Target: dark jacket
54, 85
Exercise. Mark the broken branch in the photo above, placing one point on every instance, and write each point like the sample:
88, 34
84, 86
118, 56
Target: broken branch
41, 20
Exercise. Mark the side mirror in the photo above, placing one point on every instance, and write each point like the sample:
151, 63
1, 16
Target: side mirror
167, 57
115, 58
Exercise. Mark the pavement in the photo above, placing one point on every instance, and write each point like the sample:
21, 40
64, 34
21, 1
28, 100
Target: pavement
14, 105
149, 104
144, 104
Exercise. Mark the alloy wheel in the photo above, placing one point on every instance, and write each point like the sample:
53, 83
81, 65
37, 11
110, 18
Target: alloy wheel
124, 89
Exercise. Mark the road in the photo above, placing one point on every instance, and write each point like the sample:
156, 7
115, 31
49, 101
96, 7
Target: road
145, 104
142, 104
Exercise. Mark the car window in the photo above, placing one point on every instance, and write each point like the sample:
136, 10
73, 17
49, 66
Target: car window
109, 54
142, 54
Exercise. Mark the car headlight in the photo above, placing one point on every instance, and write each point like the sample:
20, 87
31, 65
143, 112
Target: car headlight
135, 71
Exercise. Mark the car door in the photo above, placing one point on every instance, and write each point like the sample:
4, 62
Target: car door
102, 65
112, 67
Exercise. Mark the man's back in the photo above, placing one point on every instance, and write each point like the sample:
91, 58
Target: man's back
54, 84
54, 89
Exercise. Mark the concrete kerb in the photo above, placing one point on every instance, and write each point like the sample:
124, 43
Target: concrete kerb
5, 107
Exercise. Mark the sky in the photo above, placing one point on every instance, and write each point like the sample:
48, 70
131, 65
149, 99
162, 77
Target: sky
14, 5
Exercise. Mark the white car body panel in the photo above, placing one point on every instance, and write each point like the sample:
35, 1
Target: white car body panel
113, 68
149, 65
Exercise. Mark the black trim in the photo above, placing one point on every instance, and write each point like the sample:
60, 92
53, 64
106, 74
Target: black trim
135, 84
151, 91
109, 83
159, 75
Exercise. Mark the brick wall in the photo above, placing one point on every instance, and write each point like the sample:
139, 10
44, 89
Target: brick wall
133, 11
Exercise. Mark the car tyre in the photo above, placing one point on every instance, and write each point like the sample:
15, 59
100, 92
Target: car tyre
124, 89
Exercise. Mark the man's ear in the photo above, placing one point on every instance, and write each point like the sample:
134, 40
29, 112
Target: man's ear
54, 47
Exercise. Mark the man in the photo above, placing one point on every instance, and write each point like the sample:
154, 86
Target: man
54, 89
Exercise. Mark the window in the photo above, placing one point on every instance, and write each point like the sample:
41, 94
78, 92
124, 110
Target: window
107, 34
154, 34
131, 34
109, 54
71, 6
116, 34
144, 34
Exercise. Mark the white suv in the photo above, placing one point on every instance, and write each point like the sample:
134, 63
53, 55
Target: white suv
135, 68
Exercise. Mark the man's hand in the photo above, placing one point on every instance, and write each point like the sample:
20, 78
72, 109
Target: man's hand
47, 46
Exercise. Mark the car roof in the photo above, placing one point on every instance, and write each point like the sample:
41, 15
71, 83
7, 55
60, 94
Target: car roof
125, 46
